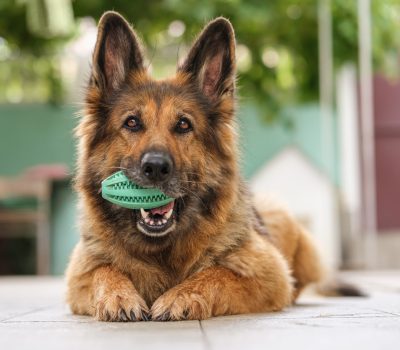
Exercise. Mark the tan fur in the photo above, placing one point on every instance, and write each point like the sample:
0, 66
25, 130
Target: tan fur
222, 258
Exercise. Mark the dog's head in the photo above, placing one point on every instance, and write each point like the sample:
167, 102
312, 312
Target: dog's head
176, 134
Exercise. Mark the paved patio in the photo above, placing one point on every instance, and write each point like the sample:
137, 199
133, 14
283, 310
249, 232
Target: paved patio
34, 316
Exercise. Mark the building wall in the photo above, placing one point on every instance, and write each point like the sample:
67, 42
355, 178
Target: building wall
35, 134
42, 134
299, 126
387, 153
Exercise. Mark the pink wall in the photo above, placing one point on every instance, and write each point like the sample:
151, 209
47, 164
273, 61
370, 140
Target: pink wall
387, 148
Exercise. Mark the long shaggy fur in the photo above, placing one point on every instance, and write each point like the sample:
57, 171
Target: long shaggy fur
224, 256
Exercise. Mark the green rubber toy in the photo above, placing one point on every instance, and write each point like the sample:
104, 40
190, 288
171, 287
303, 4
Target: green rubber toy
118, 189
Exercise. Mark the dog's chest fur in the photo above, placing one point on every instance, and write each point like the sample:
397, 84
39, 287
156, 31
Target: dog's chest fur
154, 276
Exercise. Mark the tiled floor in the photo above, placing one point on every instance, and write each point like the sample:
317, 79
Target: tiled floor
33, 316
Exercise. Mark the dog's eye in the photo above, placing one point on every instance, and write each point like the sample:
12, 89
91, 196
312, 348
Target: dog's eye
133, 123
183, 125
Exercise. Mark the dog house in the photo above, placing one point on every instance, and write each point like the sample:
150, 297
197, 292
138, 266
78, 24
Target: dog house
292, 179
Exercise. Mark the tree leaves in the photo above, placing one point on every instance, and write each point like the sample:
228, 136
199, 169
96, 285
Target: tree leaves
279, 36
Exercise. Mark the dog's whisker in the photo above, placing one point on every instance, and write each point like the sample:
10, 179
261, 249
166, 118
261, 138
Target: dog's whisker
183, 200
194, 182
194, 195
192, 173
117, 167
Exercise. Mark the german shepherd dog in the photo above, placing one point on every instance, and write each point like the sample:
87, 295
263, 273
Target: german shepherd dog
210, 252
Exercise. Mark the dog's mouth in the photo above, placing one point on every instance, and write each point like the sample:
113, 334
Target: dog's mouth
158, 222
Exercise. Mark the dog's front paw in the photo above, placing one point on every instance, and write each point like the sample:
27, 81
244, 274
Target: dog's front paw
181, 304
121, 305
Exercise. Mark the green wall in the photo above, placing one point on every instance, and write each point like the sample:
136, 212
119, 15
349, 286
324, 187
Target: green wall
261, 141
35, 134
64, 226
41, 134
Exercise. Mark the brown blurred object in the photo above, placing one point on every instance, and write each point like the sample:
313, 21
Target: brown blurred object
25, 199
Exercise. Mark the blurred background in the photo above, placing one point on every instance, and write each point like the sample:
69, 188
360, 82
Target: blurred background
319, 115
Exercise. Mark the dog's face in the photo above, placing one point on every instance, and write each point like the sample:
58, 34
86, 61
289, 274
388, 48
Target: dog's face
176, 134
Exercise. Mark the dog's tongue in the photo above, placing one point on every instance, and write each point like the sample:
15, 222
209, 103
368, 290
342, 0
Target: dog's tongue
162, 210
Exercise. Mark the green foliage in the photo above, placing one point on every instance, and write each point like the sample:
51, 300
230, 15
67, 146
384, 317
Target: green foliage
29, 70
30, 78
278, 39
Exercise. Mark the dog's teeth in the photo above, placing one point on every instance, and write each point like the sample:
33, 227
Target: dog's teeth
168, 215
144, 213
149, 220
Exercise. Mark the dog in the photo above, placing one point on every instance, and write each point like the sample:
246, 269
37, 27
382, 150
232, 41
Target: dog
208, 253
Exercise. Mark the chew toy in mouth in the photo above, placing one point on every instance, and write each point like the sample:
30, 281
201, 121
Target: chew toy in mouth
154, 208
118, 189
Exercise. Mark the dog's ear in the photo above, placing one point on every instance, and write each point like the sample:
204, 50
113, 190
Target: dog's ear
117, 52
211, 60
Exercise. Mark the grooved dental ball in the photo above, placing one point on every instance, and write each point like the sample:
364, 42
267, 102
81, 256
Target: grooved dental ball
118, 189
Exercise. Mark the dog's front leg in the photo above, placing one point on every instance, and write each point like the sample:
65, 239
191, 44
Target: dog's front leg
252, 279
116, 298
102, 292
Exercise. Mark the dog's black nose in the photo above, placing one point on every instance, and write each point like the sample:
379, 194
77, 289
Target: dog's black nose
157, 166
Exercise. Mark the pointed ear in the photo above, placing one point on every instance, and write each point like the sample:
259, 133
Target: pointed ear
117, 52
211, 60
